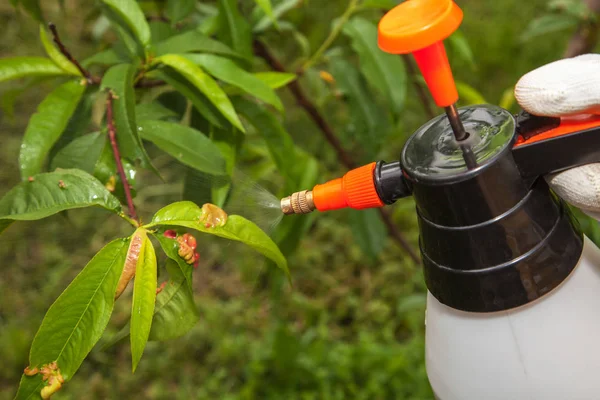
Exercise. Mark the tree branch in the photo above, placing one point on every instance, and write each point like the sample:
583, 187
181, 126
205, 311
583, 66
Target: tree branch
262, 51
112, 134
91, 79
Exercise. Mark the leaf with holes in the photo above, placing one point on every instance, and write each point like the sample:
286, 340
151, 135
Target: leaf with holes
52, 192
46, 126
189, 215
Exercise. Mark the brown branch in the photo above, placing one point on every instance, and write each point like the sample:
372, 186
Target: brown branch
423, 97
91, 79
262, 51
112, 134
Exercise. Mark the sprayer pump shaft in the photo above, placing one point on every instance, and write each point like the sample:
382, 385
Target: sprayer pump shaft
461, 134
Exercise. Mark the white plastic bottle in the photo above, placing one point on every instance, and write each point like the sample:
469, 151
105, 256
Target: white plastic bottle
548, 349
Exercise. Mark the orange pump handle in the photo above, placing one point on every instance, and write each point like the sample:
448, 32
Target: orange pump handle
419, 27
356, 190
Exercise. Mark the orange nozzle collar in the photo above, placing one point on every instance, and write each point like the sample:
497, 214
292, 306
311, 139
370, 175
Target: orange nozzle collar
356, 190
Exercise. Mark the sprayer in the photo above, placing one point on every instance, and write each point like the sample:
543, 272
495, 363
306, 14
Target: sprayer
513, 305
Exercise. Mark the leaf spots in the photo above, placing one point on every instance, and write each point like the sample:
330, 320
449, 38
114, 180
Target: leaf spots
31, 371
51, 375
31, 179
61, 184
161, 287
212, 216
187, 249
169, 233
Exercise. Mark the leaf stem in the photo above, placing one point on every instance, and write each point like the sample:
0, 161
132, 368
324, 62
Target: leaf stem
112, 134
352, 7
91, 79
345, 158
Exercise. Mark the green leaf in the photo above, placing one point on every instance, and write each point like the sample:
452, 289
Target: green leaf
56, 56
171, 249
368, 123
153, 110
204, 84
191, 42
267, 7
106, 169
384, 71
79, 123
508, 98
379, 4
107, 57
457, 43
176, 312
547, 24
200, 101
188, 214
119, 79
77, 319
144, 297
30, 387
47, 124
130, 12
9, 97
33, 8
82, 153
44, 196
228, 72
234, 29
275, 80
468, 94
179, 9
369, 231
19, 67
187, 145
278, 12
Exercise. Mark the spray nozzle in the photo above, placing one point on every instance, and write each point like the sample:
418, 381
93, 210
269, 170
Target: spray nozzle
370, 186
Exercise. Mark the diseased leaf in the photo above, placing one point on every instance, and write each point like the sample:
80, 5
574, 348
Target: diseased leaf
153, 110
234, 29
204, 84
191, 42
384, 71
171, 248
228, 72
144, 297
130, 12
175, 313
77, 319
188, 214
56, 56
81, 153
369, 231
119, 79
179, 9
275, 80
46, 126
187, 145
19, 67
45, 196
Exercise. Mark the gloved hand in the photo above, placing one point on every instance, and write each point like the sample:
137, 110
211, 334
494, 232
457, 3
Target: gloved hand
565, 88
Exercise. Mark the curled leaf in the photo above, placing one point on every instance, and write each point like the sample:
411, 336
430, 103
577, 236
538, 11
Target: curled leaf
133, 254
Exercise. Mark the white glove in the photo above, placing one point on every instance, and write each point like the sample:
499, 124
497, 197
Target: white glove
565, 88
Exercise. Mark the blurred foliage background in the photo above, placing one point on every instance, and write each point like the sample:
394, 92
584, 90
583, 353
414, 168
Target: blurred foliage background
353, 324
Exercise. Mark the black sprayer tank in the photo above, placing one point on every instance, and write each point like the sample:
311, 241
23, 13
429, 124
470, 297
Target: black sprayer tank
490, 239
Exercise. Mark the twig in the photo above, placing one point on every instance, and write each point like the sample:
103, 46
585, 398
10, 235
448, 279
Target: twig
410, 68
91, 79
586, 36
112, 134
262, 51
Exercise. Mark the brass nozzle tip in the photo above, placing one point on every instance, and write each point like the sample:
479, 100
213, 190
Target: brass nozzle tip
298, 203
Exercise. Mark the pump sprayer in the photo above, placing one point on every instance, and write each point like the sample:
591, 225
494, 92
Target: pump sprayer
513, 285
